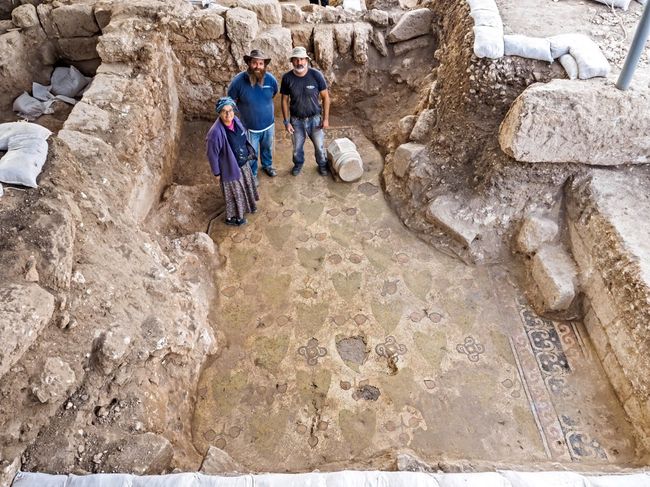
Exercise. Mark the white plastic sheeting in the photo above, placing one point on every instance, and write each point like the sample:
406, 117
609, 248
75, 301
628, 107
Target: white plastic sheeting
340, 479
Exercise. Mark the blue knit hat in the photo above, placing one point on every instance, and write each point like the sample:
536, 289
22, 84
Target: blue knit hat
224, 102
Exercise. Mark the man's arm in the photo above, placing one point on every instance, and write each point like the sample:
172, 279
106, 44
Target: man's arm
285, 113
325, 97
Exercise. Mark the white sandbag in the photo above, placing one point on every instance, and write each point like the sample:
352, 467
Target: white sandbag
100, 480
560, 44
590, 59
630, 480
622, 4
23, 161
10, 129
570, 66
544, 479
68, 81
483, 4
30, 108
41, 92
528, 47
2, 191
32, 479
642, 2
488, 42
487, 18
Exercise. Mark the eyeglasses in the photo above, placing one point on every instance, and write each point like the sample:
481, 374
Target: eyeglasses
227, 110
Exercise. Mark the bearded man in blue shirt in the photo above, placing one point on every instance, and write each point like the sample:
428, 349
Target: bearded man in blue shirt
253, 91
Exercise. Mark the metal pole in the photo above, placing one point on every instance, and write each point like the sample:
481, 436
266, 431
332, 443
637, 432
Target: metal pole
633, 55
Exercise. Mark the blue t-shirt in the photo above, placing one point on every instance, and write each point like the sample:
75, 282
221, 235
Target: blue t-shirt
255, 103
303, 92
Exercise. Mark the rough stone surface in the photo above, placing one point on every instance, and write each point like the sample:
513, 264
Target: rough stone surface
25, 309
268, 12
54, 381
24, 16
78, 48
113, 348
218, 462
412, 24
344, 34
423, 127
543, 124
377, 17
409, 462
276, 43
555, 274
210, 25
362, 34
76, 20
302, 35
241, 27
291, 13
535, 231
324, 46
404, 156
445, 213
143, 454
412, 44
379, 41
406, 125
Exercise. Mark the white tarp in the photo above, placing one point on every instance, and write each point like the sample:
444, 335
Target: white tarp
340, 479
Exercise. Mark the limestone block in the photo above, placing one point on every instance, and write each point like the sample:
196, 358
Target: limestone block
614, 371
276, 43
77, 20
268, 11
44, 11
377, 17
291, 14
87, 118
143, 454
57, 226
119, 47
209, 25
8, 470
601, 299
423, 126
445, 212
114, 346
78, 48
379, 41
344, 33
25, 309
405, 126
589, 122
302, 35
324, 46
404, 155
241, 27
218, 462
24, 16
103, 14
362, 33
54, 380
412, 24
411, 45
555, 274
535, 231
5, 25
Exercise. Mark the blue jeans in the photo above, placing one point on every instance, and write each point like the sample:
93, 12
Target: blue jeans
262, 142
308, 127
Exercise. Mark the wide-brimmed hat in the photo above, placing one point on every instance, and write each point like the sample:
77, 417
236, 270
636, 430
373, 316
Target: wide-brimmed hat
300, 52
257, 54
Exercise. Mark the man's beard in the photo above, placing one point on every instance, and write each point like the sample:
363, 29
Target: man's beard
300, 69
256, 77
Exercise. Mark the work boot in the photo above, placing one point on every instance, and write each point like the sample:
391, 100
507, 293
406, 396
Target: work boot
296, 170
322, 170
235, 222
270, 171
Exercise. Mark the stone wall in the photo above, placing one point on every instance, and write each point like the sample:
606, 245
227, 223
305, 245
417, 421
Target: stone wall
613, 256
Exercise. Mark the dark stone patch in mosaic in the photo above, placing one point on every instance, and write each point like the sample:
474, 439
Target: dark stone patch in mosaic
368, 189
366, 393
353, 349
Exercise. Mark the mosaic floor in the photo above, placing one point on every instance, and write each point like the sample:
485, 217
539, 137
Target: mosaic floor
346, 336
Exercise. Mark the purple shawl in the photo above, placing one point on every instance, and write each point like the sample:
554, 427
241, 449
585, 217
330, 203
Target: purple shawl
222, 160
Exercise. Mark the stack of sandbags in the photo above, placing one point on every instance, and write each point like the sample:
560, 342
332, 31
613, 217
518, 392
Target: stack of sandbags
26, 146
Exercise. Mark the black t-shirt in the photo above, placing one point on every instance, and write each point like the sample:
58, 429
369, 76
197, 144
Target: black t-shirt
303, 92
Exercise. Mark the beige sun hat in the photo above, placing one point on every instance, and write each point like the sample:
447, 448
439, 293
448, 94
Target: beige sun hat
299, 52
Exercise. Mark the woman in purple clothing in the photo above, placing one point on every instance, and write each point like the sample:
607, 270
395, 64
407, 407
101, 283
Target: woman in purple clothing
229, 153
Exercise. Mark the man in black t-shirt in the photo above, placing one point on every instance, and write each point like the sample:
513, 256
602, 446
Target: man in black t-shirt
303, 88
